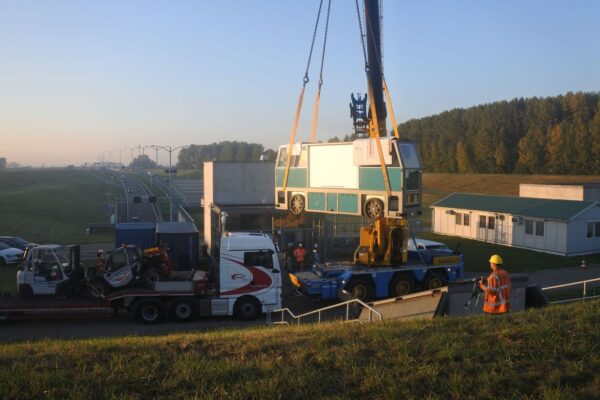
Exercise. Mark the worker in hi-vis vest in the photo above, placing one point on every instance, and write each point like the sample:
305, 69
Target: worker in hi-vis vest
497, 290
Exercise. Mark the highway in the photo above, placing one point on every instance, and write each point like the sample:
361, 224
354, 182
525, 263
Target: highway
142, 211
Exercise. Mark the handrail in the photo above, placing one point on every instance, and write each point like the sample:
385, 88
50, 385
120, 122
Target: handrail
585, 283
298, 318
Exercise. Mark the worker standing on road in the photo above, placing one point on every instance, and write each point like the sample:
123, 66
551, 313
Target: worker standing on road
498, 288
299, 254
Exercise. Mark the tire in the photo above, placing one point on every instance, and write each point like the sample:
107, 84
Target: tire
150, 276
182, 310
401, 285
247, 308
361, 289
434, 280
25, 291
373, 209
150, 312
99, 289
297, 204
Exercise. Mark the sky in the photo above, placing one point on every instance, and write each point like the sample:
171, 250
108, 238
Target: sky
80, 80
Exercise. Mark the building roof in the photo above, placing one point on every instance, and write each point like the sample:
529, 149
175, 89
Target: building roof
562, 210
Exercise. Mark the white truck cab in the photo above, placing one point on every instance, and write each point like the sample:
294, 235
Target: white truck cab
249, 276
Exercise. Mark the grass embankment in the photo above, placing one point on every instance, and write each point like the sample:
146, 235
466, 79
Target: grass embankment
550, 354
54, 205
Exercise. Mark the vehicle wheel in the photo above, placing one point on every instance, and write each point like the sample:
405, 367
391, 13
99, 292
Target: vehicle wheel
361, 289
297, 204
374, 209
150, 312
401, 285
183, 310
25, 291
150, 276
247, 308
99, 289
434, 280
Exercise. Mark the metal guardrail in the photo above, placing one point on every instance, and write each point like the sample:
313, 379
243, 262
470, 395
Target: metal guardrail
585, 287
319, 313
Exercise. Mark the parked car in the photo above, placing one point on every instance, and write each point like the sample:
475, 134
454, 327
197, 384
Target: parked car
16, 242
423, 244
9, 255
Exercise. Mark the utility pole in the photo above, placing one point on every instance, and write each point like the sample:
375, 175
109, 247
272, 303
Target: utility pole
170, 150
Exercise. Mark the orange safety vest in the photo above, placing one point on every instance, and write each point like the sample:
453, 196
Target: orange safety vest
497, 293
299, 253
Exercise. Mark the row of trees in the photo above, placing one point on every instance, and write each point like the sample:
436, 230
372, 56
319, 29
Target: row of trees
2, 162
194, 156
553, 135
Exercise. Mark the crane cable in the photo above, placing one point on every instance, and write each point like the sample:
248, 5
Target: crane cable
305, 80
316, 111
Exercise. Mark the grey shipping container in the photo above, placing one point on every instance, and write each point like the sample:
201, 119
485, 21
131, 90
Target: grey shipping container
141, 234
184, 243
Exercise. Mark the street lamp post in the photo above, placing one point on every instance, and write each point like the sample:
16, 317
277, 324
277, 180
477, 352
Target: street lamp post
170, 150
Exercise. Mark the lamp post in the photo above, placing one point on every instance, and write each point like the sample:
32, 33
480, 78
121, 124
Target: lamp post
170, 150
156, 148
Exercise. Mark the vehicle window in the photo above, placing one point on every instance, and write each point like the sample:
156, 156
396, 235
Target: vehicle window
4, 246
412, 179
134, 256
438, 247
258, 259
117, 260
408, 152
47, 266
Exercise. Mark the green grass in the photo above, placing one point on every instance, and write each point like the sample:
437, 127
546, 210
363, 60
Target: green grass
550, 353
54, 205
477, 254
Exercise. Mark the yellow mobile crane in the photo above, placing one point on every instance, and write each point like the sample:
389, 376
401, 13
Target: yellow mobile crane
387, 189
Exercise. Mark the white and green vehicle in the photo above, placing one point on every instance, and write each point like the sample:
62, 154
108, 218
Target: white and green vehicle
348, 178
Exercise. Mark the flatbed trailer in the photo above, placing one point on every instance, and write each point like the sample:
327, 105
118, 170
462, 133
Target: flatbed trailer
344, 280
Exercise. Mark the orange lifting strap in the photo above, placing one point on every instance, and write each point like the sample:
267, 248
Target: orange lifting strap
374, 133
293, 135
392, 115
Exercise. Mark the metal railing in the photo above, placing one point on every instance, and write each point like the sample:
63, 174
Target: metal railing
319, 313
585, 289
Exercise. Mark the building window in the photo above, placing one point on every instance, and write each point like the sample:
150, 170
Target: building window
491, 222
539, 228
458, 220
593, 230
482, 221
597, 231
528, 227
466, 220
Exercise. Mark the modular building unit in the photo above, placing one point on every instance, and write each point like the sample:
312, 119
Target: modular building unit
141, 234
347, 178
562, 227
184, 243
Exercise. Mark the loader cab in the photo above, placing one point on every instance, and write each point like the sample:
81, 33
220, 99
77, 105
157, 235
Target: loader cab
45, 269
121, 266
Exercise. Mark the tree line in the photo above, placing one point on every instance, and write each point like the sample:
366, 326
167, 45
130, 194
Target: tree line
193, 157
551, 135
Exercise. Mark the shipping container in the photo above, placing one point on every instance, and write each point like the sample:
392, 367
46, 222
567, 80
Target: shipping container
141, 234
183, 240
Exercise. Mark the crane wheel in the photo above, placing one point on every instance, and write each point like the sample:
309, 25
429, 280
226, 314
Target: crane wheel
401, 285
360, 289
297, 204
374, 209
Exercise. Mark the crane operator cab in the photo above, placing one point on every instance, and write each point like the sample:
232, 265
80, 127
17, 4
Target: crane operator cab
349, 178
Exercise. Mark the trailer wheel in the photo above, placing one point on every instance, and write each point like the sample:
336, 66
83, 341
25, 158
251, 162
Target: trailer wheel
374, 209
401, 285
99, 289
434, 280
150, 276
150, 312
297, 204
183, 310
361, 289
246, 308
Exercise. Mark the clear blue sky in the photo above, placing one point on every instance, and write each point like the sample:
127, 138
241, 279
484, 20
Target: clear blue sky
81, 78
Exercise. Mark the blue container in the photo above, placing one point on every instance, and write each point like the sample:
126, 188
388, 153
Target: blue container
183, 240
141, 234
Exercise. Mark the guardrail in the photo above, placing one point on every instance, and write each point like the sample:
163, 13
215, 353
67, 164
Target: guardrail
585, 287
319, 313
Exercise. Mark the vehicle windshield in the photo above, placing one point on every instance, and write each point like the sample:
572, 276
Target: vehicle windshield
438, 247
4, 246
62, 254
19, 241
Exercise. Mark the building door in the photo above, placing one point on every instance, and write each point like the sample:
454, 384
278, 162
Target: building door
500, 230
482, 228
